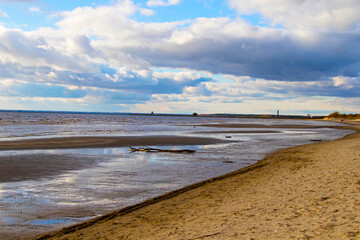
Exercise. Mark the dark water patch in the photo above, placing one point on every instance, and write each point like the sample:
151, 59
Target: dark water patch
234, 131
35, 166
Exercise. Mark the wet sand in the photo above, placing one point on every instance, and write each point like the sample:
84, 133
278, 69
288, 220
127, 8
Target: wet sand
310, 191
249, 126
244, 131
104, 142
34, 166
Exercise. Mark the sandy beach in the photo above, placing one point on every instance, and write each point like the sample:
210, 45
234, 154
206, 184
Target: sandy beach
310, 191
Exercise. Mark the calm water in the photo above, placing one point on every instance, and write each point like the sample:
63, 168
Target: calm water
111, 178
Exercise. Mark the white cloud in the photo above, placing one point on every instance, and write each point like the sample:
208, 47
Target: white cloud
222, 30
179, 76
28, 49
341, 81
218, 45
35, 9
304, 14
200, 90
3, 14
147, 12
155, 3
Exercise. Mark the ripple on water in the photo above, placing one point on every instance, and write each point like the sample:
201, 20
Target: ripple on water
51, 222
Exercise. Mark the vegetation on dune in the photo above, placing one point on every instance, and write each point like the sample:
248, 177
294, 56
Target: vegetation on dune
344, 116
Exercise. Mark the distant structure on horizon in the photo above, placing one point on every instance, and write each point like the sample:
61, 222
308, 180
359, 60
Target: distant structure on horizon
278, 114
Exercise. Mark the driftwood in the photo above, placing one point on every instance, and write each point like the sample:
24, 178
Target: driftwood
131, 149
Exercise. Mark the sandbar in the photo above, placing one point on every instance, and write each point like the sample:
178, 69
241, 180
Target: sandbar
234, 131
249, 126
31, 166
104, 142
304, 192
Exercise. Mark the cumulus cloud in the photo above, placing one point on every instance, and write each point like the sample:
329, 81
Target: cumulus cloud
248, 94
200, 90
320, 14
155, 3
218, 45
28, 49
222, 45
117, 55
107, 81
264, 89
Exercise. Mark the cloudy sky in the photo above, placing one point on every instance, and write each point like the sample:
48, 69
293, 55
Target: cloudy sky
181, 56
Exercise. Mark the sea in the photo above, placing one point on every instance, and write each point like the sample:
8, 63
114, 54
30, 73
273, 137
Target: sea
101, 180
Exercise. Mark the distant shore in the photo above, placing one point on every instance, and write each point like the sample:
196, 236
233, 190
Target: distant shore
301, 192
220, 115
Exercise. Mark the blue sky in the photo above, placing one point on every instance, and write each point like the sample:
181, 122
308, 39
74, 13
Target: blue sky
37, 14
181, 56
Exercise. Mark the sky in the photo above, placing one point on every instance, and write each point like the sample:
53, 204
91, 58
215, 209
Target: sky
181, 56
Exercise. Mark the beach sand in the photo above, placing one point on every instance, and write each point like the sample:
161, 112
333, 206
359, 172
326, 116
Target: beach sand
310, 191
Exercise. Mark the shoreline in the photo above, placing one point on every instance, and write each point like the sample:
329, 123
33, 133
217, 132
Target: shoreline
184, 208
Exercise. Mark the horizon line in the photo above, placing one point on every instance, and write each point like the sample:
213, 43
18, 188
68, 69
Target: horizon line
155, 114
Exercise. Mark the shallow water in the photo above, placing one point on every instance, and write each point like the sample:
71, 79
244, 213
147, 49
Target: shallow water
112, 178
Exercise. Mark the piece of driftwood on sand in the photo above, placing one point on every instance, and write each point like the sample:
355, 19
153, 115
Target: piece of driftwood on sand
131, 149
